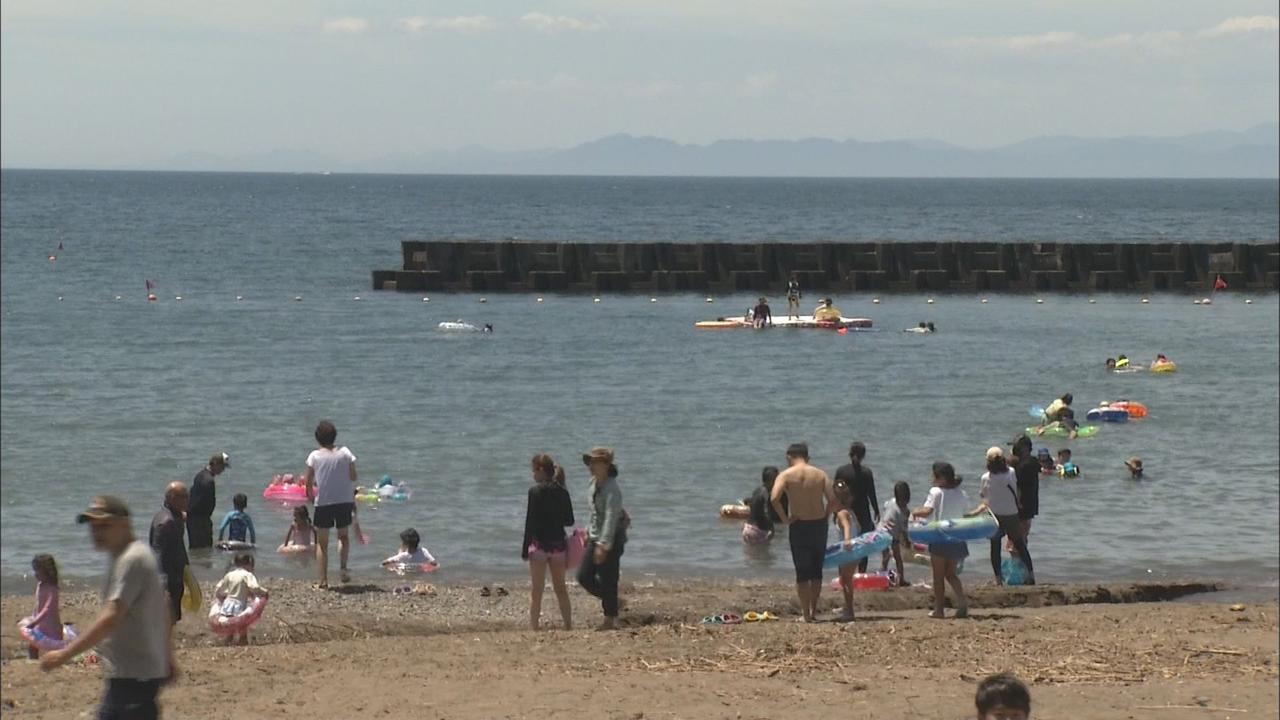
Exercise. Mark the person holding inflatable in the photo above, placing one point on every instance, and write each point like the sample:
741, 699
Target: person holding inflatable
1060, 413
758, 528
946, 501
549, 510
598, 574
1000, 497
235, 593
843, 520
132, 633
411, 555
46, 623
862, 484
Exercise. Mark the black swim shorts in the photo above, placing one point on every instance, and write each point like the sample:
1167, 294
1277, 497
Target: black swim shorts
333, 516
808, 548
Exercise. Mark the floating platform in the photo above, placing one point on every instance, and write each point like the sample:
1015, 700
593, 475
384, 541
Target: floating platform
521, 266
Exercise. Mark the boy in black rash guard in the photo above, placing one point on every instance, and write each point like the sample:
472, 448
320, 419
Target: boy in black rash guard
863, 485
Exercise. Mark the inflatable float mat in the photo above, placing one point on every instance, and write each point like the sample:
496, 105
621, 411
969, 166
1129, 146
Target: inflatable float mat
1107, 414
1083, 431
734, 511
863, 546
954, 531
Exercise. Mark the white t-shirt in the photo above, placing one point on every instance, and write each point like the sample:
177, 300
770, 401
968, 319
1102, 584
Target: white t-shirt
238, 584
417, 557
332, 475
1001, 491
947, 504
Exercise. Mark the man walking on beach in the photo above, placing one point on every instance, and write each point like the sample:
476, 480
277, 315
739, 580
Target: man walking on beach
204, 500
810, 501
167, 539
130, 632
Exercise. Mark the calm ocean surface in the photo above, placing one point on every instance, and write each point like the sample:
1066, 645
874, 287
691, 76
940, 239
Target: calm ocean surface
99, 395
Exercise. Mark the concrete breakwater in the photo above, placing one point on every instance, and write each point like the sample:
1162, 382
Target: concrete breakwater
522, 266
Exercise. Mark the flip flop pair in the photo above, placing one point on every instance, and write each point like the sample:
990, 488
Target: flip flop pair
754, 616
725, 619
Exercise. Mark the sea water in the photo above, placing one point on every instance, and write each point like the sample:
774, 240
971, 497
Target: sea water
99, 395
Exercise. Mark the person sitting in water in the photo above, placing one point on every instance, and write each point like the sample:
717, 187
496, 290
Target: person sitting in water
1135, 467
826, 312
762, 315
1160, 360
1066, 468
760, 521
1123, 363
487, 328
1047, 466
931, 327
237, 524
1059, 413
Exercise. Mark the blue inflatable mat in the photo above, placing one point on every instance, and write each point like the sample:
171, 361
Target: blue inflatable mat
864, 545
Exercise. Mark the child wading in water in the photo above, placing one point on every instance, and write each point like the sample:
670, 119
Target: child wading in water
46, 623
412, 555
946, 501
545, 546
301, 535
235, 591
237, 524
894, 521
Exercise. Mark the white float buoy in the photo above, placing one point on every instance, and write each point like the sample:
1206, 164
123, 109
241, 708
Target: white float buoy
297, 298
426, 299
1039, 301
595, 300
1195, 301
539, 299
653, 300
929, 301
984, 301
1248, 302
484, 300
239, 298
710, 300
356, 298
119, 297
1206, 301
152, 297
59, 298
875, 301
1145, 301
1092, 301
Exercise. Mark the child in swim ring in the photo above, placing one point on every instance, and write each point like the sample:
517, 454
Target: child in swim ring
412, 555
46, 621
301, 533
1047, 466
1065, 467
235, 591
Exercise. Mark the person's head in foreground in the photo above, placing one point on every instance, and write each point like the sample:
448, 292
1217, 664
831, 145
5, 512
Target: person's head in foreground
108, 519
240, 501
326, 434
1003, 697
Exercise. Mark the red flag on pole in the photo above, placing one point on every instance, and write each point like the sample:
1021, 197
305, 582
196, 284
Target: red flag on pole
1219, 283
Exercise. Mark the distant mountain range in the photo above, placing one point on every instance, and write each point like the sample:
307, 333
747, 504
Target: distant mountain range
1252, 153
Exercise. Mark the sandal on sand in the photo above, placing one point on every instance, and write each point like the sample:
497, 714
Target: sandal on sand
403, 590
484, 591
753, 616
724, 619
502, 592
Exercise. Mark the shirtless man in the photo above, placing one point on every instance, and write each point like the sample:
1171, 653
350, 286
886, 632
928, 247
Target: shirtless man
810, 499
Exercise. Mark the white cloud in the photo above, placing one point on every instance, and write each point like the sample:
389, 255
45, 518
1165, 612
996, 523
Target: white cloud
556, 23
1232, 26
758, 84
348, 25
459, 24
1063, 40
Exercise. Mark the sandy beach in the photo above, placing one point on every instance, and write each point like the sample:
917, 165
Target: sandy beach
1087, 651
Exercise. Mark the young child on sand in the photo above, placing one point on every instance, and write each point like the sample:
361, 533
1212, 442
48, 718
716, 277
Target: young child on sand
894, 521
844, 520
1002, 697
412, 555
301, 533
237, 524
236, 590
46, 622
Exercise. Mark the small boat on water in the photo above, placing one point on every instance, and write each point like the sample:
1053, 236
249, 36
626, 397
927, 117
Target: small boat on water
801, 322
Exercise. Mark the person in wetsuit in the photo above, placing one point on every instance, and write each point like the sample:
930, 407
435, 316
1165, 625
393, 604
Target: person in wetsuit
862, 485
793, 297
762, 315
810, 501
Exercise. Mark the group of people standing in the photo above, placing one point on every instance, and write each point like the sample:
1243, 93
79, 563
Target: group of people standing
807, 501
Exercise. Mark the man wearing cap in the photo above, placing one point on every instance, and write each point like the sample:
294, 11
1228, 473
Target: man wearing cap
131, 632
1027, 470
167, 540
204, 500
826, 312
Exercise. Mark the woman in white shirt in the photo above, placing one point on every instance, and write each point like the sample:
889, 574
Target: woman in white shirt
331, 480
1000, 496
946, 501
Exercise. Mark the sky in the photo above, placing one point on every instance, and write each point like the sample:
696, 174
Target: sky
101, 83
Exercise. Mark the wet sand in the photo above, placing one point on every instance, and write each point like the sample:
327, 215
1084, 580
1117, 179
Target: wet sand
368, 652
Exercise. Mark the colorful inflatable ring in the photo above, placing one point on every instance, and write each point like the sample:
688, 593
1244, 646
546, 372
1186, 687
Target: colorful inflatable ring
39, 640
224, 625
862, 546
235, 546
868, 581
280, 490
734, 511
1107, 414
954, 531
1164, 367
577, 543
1136, 409
292, 549
412, 568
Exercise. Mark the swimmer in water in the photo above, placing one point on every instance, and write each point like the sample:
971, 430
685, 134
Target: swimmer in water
1135, 467
1111, 364
1059, 413
488, 328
